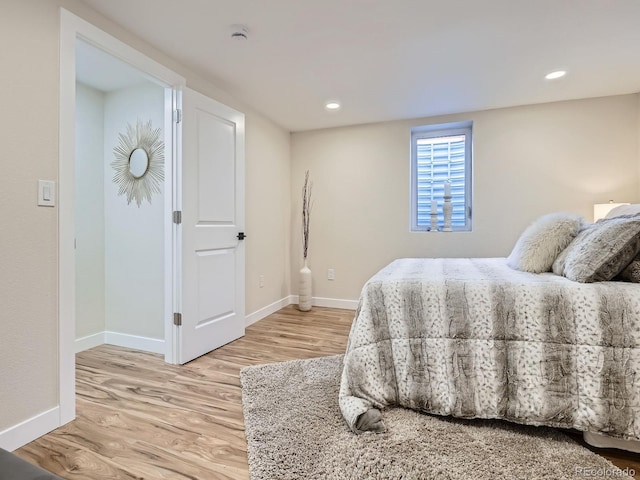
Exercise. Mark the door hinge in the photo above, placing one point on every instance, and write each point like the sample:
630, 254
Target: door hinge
177, 319
177, 217
177, 115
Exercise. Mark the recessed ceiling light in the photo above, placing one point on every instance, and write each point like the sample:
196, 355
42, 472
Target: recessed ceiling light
556, 74
332, 105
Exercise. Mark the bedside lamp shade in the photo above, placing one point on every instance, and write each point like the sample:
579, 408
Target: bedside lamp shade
600, 210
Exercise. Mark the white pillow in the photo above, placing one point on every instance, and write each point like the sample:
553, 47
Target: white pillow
543, 240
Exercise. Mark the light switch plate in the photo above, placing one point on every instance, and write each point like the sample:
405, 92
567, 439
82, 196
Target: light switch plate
46, 193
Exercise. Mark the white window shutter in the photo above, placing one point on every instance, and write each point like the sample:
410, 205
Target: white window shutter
440, 155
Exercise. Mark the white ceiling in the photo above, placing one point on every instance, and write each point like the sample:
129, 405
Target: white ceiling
102, 71
390, 59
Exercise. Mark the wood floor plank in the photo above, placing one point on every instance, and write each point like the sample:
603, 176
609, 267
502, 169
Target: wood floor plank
140, 418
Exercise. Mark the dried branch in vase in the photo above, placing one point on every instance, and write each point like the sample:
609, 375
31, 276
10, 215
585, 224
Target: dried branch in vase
306, 212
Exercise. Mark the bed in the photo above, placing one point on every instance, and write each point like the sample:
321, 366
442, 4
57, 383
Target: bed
476, 338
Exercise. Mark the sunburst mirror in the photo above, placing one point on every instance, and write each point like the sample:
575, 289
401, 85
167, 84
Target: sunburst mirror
139, 162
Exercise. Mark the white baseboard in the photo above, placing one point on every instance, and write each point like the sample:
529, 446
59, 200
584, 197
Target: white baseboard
328, 302
90, 341
266, 311
32, 428
335, 303
135, 342
293, 300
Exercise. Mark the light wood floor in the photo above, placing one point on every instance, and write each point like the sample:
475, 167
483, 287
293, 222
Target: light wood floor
139, 418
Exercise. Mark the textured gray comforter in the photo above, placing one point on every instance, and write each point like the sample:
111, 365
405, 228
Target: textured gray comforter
473, 338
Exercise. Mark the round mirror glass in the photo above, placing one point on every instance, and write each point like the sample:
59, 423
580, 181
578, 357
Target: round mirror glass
138, 162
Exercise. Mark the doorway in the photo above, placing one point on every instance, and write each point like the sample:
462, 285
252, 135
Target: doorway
120, 212
203, 250
74, 30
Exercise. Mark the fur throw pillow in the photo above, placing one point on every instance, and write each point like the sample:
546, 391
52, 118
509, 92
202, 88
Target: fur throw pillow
543, 240
631, 273
601, 251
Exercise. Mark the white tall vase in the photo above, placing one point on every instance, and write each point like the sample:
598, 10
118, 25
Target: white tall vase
304, 290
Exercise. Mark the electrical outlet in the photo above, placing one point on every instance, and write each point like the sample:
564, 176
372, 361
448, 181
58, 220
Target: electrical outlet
261, 281
331, 274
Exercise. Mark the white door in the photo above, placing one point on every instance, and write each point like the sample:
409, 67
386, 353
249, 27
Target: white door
211, 292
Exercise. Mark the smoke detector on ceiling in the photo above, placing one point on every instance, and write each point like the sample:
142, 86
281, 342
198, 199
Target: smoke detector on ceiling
239, 32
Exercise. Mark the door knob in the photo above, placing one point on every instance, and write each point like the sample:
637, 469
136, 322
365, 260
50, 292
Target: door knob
241, 236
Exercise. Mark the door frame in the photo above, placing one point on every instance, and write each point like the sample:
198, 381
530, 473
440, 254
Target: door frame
73, 27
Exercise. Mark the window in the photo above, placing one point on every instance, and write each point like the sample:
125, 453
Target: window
439, 154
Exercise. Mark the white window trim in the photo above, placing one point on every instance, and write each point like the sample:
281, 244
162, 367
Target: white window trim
441, 130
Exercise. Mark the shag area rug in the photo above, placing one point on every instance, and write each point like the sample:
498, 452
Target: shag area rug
294, 430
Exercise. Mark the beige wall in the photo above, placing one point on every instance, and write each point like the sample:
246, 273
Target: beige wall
527, 161
89, 214
29, 35
28, 245
269, 217
133, 269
